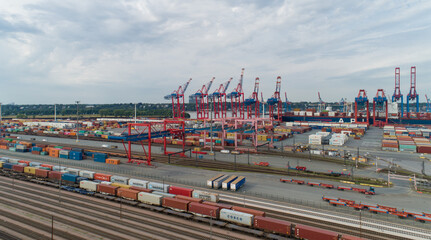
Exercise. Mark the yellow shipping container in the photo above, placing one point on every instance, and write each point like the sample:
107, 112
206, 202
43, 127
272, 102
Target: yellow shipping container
197, 149
1, 164
30, 170
120, 185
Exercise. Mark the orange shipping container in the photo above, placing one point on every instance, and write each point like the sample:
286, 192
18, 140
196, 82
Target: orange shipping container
54, 152
112, 161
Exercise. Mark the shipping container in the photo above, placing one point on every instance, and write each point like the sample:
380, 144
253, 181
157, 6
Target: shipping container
102, 177
54, 175
175, 204
190, 199
42, 173
220, 205
207, 196
8, 165
30, 170
163, 194
127, 193
47, 166
107, 189
237, 184
218, 182
249, 211
18, 168
88, 185
307, 232
141, 189
119, 179
204, 210
236, 217
158, 187
150, 198
272, 225
180, 191
119, 185
87, 174
71, 178
73, 171
138, 183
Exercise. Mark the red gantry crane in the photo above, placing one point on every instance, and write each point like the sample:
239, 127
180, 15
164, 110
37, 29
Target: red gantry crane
362, 99
237, 99
252, 103
397, 93
275, 103
219, 100
177, 96
201, 98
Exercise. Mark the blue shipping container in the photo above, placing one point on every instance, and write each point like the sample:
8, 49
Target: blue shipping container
69, 177
64, 156
100, 160
8, 165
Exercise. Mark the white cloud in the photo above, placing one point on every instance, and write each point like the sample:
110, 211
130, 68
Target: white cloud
128, 51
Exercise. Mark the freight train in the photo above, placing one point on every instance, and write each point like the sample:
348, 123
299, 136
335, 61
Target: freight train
185, 202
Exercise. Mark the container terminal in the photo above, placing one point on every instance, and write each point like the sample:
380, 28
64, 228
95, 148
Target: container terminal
241, 168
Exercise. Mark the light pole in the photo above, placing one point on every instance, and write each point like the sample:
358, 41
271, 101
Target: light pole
77, 121
0, 118
211, 127
135, 112
55, 112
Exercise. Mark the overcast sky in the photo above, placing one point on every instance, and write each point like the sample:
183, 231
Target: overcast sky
139, 51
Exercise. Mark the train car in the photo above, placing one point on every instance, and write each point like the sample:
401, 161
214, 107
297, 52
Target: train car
239, 218
88, 185
220, 205
249, 211
158, 187
207, 196
102, 177
30, 170
423, 219
54, 176
176, 204
349, 237
8, 166
35, 164
342, 188
119, 179
138, 183
312, 184
337, 203
107, 189
204, 210
219, 181
377, 210
163, 194
24, 162
149, 198
226, 183
118, 185
327, 198
87, 174
127, 193
18, 168
13, 160
211, 180
47, 166
69, 178
237, 184
272, 225
190, 199
180, 191
59, 168
73, 171
140, 189
42, 173
312, 233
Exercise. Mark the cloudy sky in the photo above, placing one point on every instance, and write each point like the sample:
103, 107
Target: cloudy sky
138, 51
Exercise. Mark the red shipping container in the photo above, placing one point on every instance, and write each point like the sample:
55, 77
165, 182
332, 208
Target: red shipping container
23, 161
307, 232
127, 193
272, 225
107, 189
18, 168
348, 237
190, 199
174, 203
220, 205
249, 211
102, 177
180, 191
141, 189
204, 209
42, 173
54, 175
47, 166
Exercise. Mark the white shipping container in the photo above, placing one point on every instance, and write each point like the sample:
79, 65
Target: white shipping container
13, 160
87, 174
236, 217
206, 196
138, 183
158, 187
119, 179
163, 194
150, 198
88, 185
73, 171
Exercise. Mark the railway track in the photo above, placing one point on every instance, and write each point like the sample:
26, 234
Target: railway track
100, 217
203, 163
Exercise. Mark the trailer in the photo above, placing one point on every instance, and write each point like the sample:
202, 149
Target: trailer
226, 183
210, 182
237, 184
218, 182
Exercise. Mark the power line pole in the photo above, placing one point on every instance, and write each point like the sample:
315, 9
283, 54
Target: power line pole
77, 121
